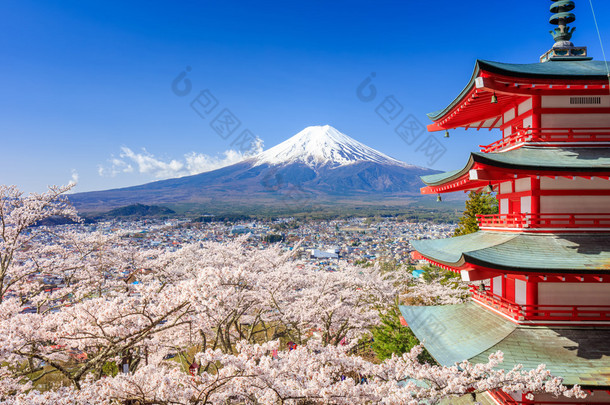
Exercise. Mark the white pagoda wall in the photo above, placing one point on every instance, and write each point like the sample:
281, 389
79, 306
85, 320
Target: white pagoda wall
574, 203
524, 107
573, 294
590, 119
520, 292
504, 206
575, 120
522, 111
497, 286
578, 183
564, 102
524, 184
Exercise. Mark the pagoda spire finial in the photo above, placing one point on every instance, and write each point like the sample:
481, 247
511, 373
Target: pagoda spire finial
563, 49
562, 17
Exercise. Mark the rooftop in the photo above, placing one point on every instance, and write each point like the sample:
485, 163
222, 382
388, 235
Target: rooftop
454, 333
538, 160
514, 82
519, 252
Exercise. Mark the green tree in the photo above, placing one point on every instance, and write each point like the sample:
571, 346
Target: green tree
478, 203
273, 238
392, 338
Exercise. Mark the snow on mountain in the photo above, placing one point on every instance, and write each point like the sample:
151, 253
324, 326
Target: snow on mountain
318, 164
317, 146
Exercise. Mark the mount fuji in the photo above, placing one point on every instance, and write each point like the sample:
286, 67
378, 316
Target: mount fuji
322, 146
317, 164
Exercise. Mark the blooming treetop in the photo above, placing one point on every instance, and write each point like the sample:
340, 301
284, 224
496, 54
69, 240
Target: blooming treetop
105, 339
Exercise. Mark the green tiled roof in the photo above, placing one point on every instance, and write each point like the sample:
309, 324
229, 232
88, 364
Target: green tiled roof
561, 159
450, 250
440, 178
580, 356
468, 332
546, 253
448, 333
535, 159
565, 70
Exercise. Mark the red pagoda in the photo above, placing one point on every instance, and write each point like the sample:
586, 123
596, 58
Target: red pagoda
546, 255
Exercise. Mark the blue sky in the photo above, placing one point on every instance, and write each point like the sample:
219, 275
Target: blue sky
86, 82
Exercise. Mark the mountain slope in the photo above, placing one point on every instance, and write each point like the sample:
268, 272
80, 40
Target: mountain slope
317, 164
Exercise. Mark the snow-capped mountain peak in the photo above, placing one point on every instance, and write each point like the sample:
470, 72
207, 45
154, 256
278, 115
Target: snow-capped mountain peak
318, 164
322, 146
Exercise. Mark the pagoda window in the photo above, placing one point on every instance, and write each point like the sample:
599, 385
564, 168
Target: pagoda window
525, 205
505, 206
509, 115
506, 187
520, 292
525, 106
496, 286
524, 184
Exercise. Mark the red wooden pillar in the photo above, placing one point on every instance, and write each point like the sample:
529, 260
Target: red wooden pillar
535, 195
531, 296
535, 203
536, 105
510, 289
535, 185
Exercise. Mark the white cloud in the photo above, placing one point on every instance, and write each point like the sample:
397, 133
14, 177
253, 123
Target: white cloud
191, 163
148, 164
116, 166
74, 177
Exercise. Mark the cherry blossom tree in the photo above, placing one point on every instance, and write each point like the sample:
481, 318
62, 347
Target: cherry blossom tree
313, 373
113, 315
18, 214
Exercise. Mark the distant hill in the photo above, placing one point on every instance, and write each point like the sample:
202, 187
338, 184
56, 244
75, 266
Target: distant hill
317, 167
140, 210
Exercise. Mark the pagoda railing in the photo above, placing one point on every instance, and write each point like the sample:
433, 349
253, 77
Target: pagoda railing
545, 221
505, 306
551, 135
542, 313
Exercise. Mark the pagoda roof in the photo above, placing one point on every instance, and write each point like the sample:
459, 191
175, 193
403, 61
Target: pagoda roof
531, 158
454, 333
565, 70
540, 75
522, 252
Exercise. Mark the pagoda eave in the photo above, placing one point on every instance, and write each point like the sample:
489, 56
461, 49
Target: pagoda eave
538, 255
513, 84
474, 270
454, 333
484, 169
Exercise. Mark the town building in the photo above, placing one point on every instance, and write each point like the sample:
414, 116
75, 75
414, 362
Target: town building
546, 255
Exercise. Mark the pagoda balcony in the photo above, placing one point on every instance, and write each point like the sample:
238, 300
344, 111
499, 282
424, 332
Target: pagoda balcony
542, 314
545, 222
549, 136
